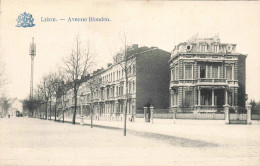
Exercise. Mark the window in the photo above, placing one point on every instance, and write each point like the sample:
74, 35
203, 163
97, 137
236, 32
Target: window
133, 69
130, 70
130, 88
122, 90
174, 97
188, 71
202, 71
176, 73
229, 72
206, 97
188, 98
203, 48
114, 73
214, 71
133, 87
172, 74
230, 99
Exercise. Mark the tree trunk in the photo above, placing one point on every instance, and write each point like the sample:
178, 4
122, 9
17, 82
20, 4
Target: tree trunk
91, 116
63, 115
46, 110
55, 110
50, 110
62, 108
75, 108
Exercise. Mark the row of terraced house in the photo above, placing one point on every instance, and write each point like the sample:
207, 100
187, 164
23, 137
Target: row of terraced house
199, 75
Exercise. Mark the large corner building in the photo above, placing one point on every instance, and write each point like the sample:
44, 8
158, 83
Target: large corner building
206, 75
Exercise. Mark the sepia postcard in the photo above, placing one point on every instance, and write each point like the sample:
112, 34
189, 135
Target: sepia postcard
129, 83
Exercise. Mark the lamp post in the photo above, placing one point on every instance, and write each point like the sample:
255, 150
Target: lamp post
81, 115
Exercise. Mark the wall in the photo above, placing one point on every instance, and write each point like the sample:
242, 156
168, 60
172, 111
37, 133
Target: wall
186, 116
152, 79
241, 76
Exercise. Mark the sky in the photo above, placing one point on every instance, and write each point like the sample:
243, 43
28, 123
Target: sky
147, 23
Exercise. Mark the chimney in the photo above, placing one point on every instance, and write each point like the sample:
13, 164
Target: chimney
109, 64
135, 46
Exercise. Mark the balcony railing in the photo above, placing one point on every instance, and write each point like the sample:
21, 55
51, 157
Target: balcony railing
203, 81
213, 80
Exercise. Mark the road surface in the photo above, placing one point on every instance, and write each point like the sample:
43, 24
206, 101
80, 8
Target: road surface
28, 141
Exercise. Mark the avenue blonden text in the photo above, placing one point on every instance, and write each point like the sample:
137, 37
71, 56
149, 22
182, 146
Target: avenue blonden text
76, 19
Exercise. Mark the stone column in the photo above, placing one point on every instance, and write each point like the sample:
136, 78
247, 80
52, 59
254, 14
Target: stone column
226, 113
151, 117
199, 97
145, 112
226, 97
248, 114
212, 97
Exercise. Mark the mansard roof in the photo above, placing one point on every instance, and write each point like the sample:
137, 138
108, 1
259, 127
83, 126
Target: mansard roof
211, 45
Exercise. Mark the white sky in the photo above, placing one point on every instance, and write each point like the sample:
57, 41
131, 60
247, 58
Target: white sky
161, 24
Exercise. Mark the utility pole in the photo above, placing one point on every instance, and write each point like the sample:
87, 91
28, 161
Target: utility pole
32, 52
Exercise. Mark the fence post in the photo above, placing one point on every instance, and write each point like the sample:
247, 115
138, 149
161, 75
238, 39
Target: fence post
145, 111
226, 113
248, 114
174, 110
151, 111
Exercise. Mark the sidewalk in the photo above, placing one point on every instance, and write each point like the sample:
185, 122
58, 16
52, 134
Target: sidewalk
214, 131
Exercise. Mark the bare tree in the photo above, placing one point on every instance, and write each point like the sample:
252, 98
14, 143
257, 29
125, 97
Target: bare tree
94, 84
59, 89
5, 104
125, 62
40, 98
76, 66
50, 88
43, 91
46, 89
63, 89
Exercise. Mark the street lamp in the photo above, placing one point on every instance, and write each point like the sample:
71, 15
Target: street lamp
81, 115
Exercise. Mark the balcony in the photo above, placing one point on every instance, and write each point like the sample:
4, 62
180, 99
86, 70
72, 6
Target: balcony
113, 83
96, 100
120, 97
112, 98
204, 81
212, 81
103, 85
108, 83
182, 81
232, 82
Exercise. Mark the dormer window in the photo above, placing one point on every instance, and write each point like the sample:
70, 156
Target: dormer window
188, 48
215, 48
203, 48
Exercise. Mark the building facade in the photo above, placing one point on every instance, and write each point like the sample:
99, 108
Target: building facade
206, 75
148, 80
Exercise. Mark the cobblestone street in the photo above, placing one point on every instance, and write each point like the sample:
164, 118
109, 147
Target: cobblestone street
27, 141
